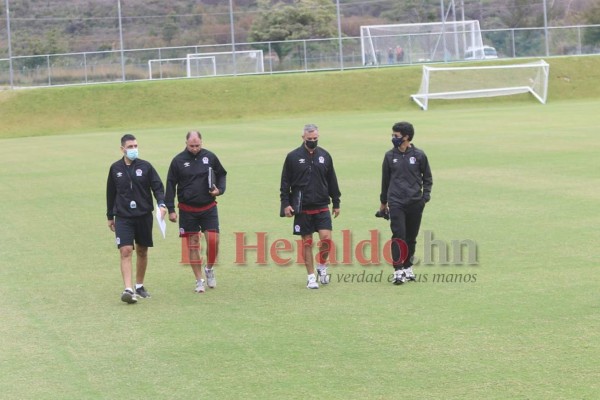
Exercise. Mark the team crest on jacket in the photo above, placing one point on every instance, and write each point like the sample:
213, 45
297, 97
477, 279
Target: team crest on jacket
138, 172
186, 164
119, 174
395, 160
205, 160
322, 159
302, 161
413, 160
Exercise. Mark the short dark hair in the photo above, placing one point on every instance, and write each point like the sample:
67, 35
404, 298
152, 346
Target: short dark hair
190, 133
405, 128
127, 137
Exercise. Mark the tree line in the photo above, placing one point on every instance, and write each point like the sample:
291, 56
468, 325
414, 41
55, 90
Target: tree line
50, 26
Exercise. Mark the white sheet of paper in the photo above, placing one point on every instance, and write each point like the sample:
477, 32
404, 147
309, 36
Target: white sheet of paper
162, 224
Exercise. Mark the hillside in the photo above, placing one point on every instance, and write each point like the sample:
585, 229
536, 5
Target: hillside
162, 103
56, 26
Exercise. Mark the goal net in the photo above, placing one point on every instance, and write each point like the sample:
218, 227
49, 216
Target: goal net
486, 81
208, 64
424, 42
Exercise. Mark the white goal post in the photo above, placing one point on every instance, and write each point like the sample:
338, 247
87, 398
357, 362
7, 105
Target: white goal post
485, 81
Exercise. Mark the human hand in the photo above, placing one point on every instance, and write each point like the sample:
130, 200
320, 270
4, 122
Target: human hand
288, 211
214, 192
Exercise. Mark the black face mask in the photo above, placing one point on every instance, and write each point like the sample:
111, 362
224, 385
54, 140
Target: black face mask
311, 144
397, 141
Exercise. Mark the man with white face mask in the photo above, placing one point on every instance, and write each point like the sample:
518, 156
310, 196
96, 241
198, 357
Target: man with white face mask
129, 189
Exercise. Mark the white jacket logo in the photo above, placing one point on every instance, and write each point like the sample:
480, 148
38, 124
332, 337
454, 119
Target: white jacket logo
186, 164
302, 161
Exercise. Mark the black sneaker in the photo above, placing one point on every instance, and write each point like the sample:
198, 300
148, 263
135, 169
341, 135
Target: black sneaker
142, 292
129, 297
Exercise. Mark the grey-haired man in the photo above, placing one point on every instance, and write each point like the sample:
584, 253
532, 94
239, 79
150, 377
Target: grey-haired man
308, 185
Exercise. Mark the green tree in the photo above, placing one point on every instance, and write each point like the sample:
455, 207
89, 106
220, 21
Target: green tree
413, 11
591, 36
304, 19
52, 43
170, 28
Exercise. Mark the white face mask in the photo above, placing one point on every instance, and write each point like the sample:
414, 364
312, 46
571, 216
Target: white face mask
132, 154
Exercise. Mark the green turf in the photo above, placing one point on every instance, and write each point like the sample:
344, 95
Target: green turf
520, 180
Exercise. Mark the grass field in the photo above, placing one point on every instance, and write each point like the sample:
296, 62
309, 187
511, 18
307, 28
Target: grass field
520, 180
517, 179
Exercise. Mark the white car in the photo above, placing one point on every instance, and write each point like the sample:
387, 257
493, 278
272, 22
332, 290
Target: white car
481, 53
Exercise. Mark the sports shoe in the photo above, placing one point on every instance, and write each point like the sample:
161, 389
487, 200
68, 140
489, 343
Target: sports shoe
128, 297
409, 274
210, 277
311, 283
142, 292
399, 277
323, 277
199, 286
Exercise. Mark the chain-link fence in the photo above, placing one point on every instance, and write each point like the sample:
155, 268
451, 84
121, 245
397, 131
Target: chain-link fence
277, 57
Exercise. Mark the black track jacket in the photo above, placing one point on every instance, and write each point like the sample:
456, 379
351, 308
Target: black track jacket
134, 182
188, 174
406, 177
309, 180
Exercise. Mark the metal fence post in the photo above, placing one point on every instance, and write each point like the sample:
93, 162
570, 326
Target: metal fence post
10, 62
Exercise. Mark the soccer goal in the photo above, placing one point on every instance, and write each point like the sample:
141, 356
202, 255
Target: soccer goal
424, 42
208, 64
201, 65
165, 68
485, 81
230, 63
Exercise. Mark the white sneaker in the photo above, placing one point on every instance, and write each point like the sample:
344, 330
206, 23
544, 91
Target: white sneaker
199, 286
409, 274
399, 277
323, 277
128, 297
312, 282
210, 277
